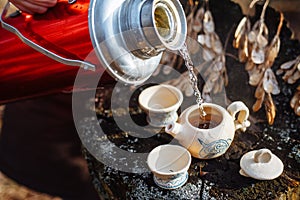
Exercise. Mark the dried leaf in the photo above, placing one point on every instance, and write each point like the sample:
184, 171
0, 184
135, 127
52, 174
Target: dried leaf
236, 41
270, 109
260, 28
206, 97
270, 83
259, 92
279, 71
190, 20
218, 86
252, 36
295, 101
223, 81
208, 40
287, 75
274, 47
200, 14
241, 32
205, 40
241, 27
194, 47
225, 78
288, 65
272, 51
244, 51
258, 55
242, 56
261, 66
297, 110
208, 69
265, 32
261, 41
208, 86
263, 37
255, 76
217, 66
201, 39
217, 44
249, 65
213, 77
292, 79
258, 103
259, 34
197, 27
208, 22
208, 55
290, 9
197, 24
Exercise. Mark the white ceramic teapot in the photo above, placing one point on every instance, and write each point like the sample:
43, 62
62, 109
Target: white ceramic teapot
210, 136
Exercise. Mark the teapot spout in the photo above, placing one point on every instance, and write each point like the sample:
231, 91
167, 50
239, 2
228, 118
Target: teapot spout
173, 128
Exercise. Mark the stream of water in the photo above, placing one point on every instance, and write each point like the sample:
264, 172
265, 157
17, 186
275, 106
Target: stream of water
193, 78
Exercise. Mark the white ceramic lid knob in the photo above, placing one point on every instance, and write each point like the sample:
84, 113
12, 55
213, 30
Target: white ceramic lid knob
261, 164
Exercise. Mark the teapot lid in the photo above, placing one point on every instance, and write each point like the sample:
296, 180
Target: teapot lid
261, 164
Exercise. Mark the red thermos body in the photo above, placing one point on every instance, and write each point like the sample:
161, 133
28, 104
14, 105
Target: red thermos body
25, 72
42, 54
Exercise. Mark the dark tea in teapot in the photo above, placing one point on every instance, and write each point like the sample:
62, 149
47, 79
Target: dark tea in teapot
208, 121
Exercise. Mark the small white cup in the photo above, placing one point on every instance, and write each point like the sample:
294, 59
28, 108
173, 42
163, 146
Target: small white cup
161, 103
169, 165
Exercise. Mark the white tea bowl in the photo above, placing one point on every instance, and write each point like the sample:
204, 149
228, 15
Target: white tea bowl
169, 165
161, 103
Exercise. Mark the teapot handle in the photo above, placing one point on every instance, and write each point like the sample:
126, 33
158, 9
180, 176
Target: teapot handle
241, 110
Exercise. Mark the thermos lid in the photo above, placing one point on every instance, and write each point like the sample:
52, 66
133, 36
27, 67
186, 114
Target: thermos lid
130, 36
